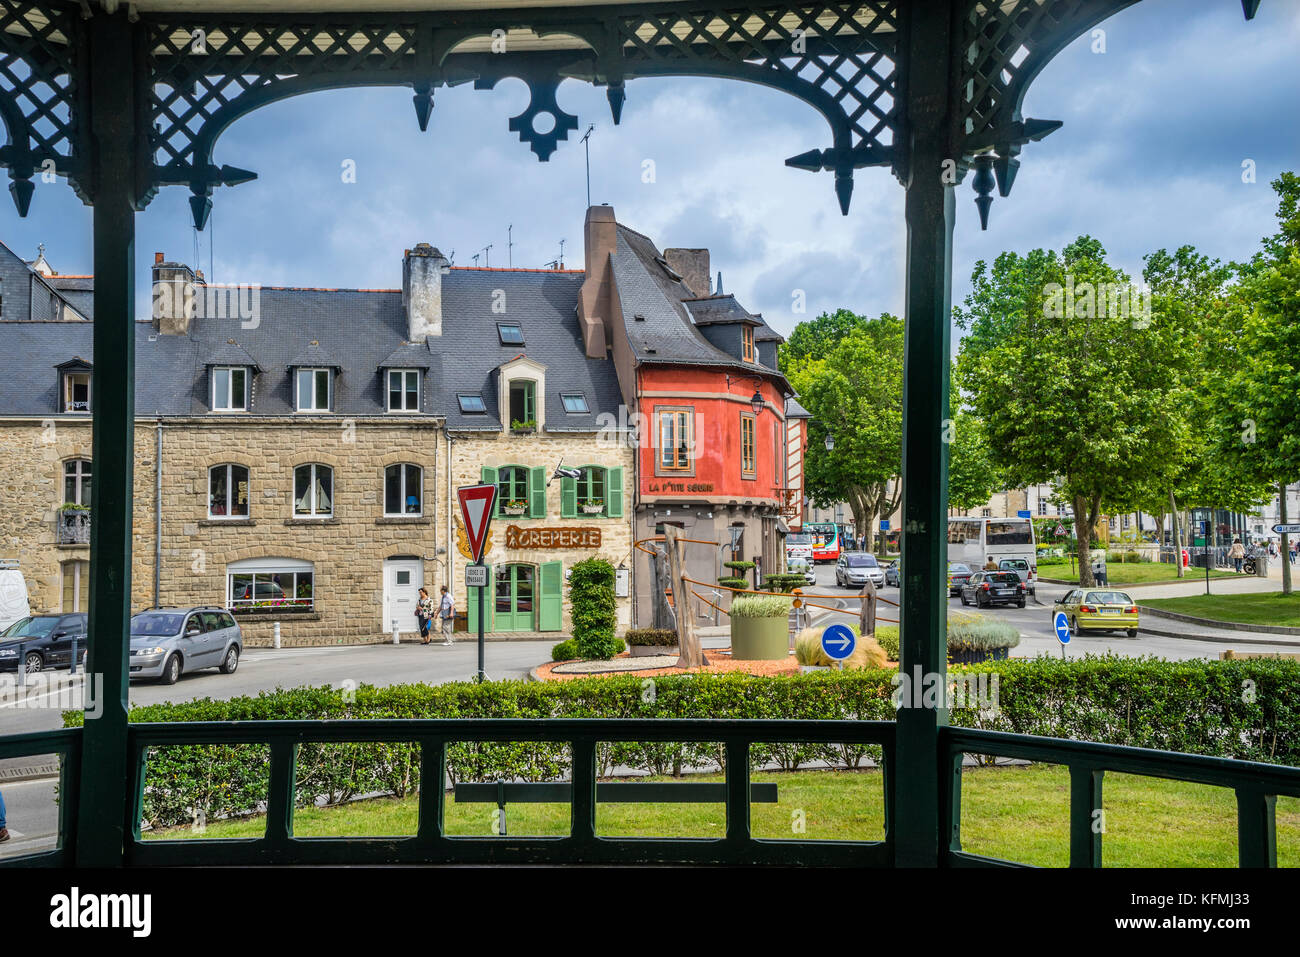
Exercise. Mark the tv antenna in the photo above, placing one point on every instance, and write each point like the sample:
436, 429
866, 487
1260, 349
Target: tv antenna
586, 144
510, 246
475, 258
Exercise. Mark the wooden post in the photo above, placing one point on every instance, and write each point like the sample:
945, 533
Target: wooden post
867, 616
692, 655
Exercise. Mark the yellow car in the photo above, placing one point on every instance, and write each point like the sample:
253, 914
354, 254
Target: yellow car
1098, 609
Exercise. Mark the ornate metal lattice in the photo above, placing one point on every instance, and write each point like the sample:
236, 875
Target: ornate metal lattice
199, 74
37, 91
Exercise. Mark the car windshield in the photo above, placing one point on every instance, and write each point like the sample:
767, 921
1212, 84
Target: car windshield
36, 626
1006, 577
1108, 598
1016, 563
798, 539
957, 567
862, 561
153, 623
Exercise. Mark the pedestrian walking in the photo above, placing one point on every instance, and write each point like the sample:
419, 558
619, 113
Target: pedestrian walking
1294, 548
1237, 554
1099, 571
424, 614
990, 565
447, 614
4, 831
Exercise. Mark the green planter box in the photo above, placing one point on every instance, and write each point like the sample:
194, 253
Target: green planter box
760, 639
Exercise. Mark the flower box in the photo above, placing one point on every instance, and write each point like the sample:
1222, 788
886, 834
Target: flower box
514, 509
593, 509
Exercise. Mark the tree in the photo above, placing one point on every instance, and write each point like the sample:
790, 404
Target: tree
1064, 363
817, 338
855, 392
1256, 414
972, 476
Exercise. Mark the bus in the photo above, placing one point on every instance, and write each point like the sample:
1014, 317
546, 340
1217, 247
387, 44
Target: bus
825, 540
972, 540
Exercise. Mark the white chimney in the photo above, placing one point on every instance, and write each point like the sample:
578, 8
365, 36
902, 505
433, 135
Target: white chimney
422, 271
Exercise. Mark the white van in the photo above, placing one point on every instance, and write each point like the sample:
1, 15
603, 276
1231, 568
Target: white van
798, 546
13, 593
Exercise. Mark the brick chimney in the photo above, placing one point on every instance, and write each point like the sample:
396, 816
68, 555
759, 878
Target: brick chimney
422, 271
176, 297
693, 266
596, 300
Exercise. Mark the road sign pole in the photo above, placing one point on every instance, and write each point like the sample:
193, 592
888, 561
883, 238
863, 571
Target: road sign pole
481, 674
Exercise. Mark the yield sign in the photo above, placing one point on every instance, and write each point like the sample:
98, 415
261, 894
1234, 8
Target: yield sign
476, 503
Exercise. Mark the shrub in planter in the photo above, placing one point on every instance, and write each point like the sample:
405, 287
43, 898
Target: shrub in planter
978, 640
591, 602
565, 650
733, 582
651, 641
760, 628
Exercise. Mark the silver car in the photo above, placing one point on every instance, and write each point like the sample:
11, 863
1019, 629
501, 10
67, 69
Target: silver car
853, 570
165, 642
804, 567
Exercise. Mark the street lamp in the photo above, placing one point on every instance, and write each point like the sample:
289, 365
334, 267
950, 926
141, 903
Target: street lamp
830, 442
757, 402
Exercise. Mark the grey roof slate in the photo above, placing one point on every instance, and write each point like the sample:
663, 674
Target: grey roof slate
230, 353
315, 357
793, 410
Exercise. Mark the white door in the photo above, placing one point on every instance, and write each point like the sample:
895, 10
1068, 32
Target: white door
402, 580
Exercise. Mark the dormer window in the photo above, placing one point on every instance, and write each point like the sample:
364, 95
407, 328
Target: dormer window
315, 388
747, 343
229, 389
74, 385
403, 390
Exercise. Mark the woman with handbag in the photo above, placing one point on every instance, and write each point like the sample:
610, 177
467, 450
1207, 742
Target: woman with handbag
424, 614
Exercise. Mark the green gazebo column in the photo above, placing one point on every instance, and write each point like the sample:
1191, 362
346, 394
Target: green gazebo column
929, 215
102, 814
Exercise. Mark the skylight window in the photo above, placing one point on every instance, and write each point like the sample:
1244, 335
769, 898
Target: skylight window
574, 402
511, 333
470, 402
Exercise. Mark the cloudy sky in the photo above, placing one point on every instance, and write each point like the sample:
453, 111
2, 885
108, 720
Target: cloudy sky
1156, 130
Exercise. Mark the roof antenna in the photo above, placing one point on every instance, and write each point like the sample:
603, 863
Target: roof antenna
561, 266
487, 256
586, 143
510, 246
475, 258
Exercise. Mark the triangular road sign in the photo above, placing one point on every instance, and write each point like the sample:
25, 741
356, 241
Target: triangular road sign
476, 507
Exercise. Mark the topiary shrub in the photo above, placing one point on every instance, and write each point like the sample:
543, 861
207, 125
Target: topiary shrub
739, 567
592, 606
785, 582
733, 582
565, 650
661, 637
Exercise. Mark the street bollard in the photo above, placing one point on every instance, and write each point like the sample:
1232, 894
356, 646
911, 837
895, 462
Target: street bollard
395, 638
73, 669
276, 631
22, 664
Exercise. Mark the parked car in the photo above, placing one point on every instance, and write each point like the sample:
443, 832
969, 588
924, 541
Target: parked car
803, 566
983, 589
1022, 568
958, 574
1099, 609
166, 642
892, 574
854, 569
42, 641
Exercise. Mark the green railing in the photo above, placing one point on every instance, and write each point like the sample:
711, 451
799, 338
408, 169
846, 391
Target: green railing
66, 743
430, 843
1257, 786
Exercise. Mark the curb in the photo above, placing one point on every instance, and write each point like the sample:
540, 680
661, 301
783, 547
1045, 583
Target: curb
1219, 639
29, 773
1216, 623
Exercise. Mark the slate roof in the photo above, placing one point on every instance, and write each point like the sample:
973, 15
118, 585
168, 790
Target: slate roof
793, 410
707, 310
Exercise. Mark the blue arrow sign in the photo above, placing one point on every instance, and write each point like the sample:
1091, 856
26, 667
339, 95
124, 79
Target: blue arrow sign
838, 641
884, 524
1062, 626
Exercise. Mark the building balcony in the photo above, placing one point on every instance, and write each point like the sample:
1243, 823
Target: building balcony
73, 527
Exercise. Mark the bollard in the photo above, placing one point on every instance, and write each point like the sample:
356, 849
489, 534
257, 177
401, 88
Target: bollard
22, 664
276, 631
396, 641
73, 669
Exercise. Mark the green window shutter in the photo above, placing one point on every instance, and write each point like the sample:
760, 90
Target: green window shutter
489, 477
537, 492
471, 604
614, 493
551, 597
568, 498
530, 403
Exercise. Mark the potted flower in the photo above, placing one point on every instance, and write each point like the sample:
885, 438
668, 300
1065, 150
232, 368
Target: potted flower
975, 639
521, 426
516, 506
593, 507
642, 642
760, 629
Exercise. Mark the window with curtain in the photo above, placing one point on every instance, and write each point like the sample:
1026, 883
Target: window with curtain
228, 491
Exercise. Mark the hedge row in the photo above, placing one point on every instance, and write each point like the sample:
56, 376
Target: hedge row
1244, 709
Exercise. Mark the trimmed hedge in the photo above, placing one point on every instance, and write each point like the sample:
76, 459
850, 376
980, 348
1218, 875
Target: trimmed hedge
661, 637
593, 609
1243, 709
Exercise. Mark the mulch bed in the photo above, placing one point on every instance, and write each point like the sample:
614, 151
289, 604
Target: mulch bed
719, 663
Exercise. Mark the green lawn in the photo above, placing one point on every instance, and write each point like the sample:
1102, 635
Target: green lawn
1266, 608
1017, 813
1131, 573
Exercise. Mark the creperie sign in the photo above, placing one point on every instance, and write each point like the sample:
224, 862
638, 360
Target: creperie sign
581, 537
